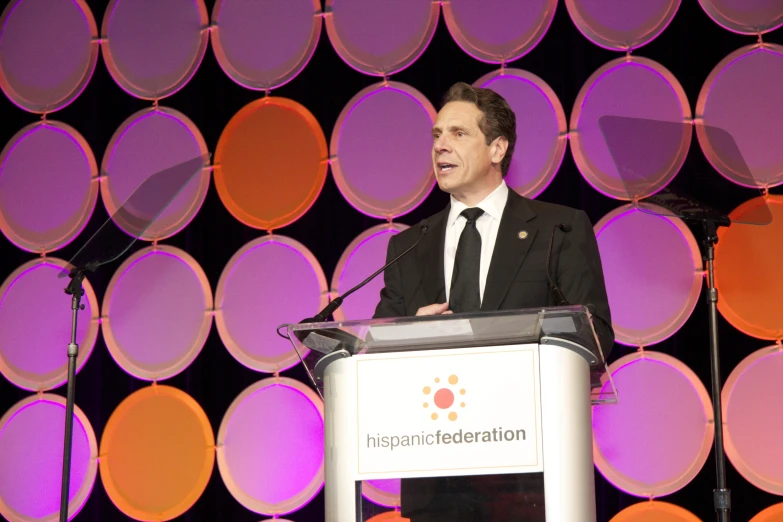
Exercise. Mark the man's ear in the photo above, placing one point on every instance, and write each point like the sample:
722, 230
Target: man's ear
499, 148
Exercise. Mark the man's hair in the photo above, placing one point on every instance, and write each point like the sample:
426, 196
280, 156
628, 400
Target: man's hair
497, 117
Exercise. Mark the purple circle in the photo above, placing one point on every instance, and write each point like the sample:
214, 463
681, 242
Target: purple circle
270, 446
48, 186
365, 255
367, 165
481, 33
652, 268
380, 38
49, 52
152, 49
628, 87
262, 45
621, 25
35, 318
151, 141
656, 439
270, 281
741, 97
31, 450
745, 16
157, 312
384, 492
542, 130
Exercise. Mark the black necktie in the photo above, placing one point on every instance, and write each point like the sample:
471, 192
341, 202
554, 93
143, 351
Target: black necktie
465, 295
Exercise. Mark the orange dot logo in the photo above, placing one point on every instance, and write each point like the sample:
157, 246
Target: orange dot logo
444, 398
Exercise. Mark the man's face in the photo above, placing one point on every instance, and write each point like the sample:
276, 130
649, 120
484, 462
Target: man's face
460, 154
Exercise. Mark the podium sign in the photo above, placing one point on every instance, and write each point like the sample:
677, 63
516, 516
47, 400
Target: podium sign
471, 411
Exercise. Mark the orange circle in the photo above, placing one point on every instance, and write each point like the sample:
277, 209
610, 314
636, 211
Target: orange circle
771, 514
389, 516
426, 390
747, 265
434, 416
157, 453
453, 379
452, 416
270, 163
654, 511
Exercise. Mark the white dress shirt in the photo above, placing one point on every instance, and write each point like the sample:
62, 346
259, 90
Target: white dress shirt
487, 225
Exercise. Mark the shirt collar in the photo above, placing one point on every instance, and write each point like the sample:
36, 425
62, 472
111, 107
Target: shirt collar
492, 205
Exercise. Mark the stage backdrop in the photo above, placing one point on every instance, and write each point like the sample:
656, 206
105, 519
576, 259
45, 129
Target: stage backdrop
292, 138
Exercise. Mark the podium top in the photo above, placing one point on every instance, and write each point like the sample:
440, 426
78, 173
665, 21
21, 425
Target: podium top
568, 327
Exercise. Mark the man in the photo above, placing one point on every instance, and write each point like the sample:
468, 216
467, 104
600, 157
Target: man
487, 251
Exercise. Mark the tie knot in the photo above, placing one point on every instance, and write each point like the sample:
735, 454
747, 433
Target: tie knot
472, 214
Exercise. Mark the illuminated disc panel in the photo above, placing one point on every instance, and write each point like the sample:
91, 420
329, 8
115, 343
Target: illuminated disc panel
657, 439
262, 45
542, 134
753, 419
49, 51
480, 32
35, 318
652, 266
741, 96
48, 186
747, 272
771, 514
745, 16
152, 49
270, 446
360, 259
149, 476
384, 492
31, 450
366, 161
389, 516
270, 163
620, 25
270, 281
633, 87
380, 38
157, 312
655, 511
151, 141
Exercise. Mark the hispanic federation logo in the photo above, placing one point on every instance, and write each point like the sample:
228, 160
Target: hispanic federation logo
444, 397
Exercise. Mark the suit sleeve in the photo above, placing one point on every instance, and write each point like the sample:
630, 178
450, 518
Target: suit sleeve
392, 303
581, 277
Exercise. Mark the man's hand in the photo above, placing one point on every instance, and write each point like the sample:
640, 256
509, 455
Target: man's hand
434, 309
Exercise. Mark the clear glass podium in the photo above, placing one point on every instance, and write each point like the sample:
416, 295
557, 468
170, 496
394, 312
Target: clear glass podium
487, 413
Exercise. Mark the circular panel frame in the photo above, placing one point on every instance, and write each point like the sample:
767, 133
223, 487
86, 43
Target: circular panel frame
375, 206
288, 357
747, 163
528, 135
163, 310
502, 53
36, 103
597, 167
259, 506
133, 465
654, 511
120, 73
158, 155
267, 80
250, 198
629, 484
733, 22
764, 435
78, 494
64, 233
600, 34
656, 333
384, 66
87, 327
770, 514
378, 495
372, 288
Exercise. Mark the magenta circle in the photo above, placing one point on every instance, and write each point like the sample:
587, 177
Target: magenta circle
48, 186
384, 492
750, 17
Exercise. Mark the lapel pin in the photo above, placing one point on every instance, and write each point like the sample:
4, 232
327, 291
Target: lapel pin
522, 234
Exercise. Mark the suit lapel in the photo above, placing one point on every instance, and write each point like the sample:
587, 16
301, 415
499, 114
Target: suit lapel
430, 258
510, 249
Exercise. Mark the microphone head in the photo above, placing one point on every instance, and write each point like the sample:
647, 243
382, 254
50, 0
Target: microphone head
565, 227
424, 228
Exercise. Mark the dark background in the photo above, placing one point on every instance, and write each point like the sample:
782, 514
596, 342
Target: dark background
690, 48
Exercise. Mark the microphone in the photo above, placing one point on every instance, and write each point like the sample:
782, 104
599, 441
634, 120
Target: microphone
561, 300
